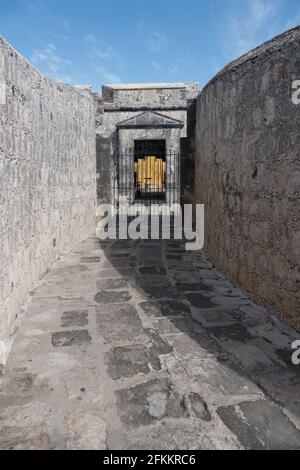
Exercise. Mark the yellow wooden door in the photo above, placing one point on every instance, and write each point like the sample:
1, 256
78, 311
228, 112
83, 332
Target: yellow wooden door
150, 174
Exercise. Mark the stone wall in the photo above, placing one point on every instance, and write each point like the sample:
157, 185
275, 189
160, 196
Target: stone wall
47, 179
248, 173
150, 95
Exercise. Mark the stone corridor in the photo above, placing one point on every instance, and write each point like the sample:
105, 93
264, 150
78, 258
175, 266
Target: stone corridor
141, 345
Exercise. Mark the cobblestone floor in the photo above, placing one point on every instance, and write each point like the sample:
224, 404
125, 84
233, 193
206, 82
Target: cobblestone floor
141, 345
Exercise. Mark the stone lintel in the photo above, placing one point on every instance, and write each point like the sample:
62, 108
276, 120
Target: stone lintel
117, 107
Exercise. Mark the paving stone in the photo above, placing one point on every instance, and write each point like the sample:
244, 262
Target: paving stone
199, 300
160, 292
221, 378
159, 345
92, 259
271, 333
85, 430
149, 403
106, 297
193, 287
68, 271
150, 252
25, 438
228, 302
133, 261
21, 381
180, 249
165, 308
212, 346
184, 437
109, 274
152, 271
261, 425
178, 325
158, 348
71, 338
144, 282
168, 326
116, 273
235, 332
203, 264
127, 272
124, 244
117, 255
285, 355
148, 263
254, 360
174, 257
74, 319
171, 245
216, 316
128, 362
208, 274
185, 276
199, 407
181, 266
115, 263
187, 346
119, 323
113, 284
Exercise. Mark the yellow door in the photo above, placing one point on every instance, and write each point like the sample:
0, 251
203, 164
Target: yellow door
150, 174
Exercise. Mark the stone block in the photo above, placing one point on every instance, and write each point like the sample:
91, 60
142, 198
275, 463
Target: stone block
261, 425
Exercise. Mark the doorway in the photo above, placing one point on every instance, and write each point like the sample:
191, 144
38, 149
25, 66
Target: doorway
150, 170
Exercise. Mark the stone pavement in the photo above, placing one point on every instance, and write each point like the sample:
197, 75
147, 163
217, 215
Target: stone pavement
141, 345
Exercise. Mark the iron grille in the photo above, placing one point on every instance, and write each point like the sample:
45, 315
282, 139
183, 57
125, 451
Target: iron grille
148, 174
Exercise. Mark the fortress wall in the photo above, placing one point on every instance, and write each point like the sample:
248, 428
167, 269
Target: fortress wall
47, 179
248, 173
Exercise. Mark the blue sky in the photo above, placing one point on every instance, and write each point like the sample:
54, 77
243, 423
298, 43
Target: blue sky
96, 42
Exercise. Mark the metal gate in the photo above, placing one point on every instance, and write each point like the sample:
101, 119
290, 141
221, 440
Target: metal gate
148, 174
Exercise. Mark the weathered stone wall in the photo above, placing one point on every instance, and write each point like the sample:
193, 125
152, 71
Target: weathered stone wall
47, 179
248, 172
150, 95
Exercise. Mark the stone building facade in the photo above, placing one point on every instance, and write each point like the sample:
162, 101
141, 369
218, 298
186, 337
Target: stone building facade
146, 128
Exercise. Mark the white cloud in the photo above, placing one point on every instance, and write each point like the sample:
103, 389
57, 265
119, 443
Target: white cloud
154, 40
50, 57
65, 24
104, 54
174, 70
293, 22
65, 79
249, 24
41, 9
104, 61
157, 41
48, 53
107, 75
186, 59
216, 64
156, 65
140, 27
90, 38
65, 37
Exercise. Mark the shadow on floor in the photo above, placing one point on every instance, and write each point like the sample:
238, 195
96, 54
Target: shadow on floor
220, 336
